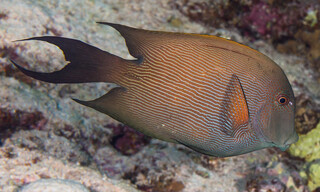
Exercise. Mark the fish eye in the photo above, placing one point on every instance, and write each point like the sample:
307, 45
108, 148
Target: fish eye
283, 100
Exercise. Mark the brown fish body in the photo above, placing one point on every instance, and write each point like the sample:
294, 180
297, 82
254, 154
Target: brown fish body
213, 95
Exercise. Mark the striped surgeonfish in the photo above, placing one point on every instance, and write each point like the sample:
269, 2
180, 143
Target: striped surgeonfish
213, 95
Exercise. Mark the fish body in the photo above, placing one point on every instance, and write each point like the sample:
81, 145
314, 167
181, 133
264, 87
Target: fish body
213, 95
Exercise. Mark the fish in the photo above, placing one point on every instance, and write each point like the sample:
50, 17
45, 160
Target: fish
213, 95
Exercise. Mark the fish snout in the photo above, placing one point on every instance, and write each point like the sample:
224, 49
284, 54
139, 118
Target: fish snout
292, 139
284, 147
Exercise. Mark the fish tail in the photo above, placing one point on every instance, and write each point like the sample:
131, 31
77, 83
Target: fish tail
86, 63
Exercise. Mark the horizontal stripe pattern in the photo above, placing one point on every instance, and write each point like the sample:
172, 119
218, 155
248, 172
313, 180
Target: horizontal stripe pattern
180, 90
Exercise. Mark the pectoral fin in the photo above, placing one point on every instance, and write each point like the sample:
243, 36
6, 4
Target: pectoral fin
234, 109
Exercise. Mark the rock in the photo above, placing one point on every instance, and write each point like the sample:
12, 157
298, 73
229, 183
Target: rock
54, 185
312, 40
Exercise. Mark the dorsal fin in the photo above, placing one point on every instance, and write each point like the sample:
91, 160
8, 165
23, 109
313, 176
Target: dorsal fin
234, 109
134, 37
139, 41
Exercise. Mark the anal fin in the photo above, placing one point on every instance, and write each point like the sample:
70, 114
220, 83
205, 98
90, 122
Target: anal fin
108, 103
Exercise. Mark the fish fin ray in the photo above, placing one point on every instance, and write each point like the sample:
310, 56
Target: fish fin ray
234, 109
86, 63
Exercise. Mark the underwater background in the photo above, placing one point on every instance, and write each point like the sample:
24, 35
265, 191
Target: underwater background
48, 138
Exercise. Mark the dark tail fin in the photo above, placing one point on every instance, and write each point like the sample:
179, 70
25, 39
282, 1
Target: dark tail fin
87, 63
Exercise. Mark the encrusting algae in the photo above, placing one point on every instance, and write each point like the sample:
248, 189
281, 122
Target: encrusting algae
308, 146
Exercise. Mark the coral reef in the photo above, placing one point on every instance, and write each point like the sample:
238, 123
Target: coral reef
13, 121
275, 177
311, 40
307, 114
305, 43
59, 147
24, 167
308, 146
127, 140
314, 176
149, 176
258, 19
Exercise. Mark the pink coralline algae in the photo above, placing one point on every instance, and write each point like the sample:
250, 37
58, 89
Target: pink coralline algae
127, 140
275, 177
275, 20
11, 121
261, 18
290, 25
264, 20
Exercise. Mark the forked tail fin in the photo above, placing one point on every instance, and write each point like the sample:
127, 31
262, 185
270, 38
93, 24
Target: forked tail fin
86, 63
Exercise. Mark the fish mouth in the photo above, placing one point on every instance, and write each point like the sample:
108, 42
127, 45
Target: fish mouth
283, 147
292, 139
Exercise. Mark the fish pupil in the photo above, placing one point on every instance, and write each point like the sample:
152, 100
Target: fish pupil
282, 100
